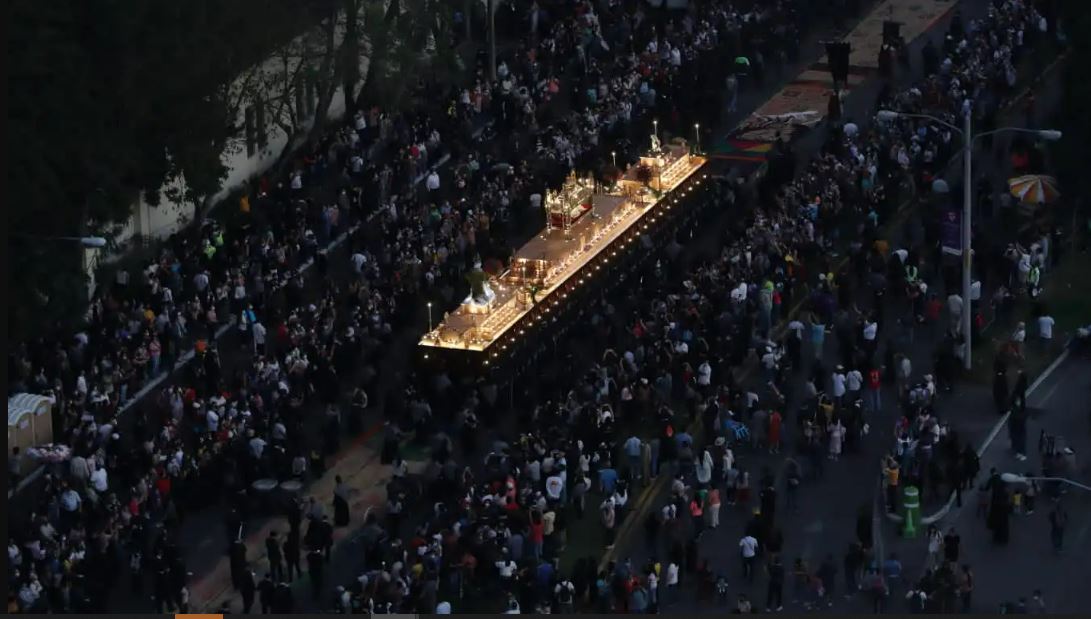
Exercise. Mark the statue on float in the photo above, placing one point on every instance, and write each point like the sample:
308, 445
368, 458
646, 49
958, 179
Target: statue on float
481, 294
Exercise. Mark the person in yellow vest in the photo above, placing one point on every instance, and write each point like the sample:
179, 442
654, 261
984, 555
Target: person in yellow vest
244, 204
891, 472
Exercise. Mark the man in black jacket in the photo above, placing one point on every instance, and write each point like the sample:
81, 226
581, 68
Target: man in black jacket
267, 589
238, 563
316, 567
292, 554
272, 551
248, 588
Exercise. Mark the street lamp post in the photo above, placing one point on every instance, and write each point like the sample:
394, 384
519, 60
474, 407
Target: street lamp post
1015, 478
697, 135
968, 138
613, 155
491, 6
429, 316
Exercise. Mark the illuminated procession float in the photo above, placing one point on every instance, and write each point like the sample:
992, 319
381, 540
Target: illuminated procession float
587, 224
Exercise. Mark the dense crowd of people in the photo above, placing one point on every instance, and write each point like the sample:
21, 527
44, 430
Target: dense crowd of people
584, 80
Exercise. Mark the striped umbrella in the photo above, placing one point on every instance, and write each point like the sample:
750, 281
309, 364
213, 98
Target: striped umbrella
1034, 189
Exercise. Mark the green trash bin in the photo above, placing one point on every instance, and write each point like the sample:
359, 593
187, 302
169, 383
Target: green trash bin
911, 511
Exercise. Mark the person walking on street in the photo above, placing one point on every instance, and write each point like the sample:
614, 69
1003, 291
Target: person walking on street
272, 552
873, 390
292, 551
266, 590
792, 480
248, 589
748, 548
854, 561
316, 565
774, 597
935, 547
827, 572
876, 587
1058, 520
951, 543
1000, 389
966, 587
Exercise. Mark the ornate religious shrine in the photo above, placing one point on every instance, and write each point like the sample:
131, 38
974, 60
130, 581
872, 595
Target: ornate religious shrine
584, 223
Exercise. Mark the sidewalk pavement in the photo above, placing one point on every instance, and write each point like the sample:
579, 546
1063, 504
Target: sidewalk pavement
1005, 573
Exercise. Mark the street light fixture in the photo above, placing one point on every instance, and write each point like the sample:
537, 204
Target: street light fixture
968, 138
92, 242
1015, 478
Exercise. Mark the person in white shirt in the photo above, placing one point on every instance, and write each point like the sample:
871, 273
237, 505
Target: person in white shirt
506, 567
257, 446
954, 312
671, 580
1018, 337
432, 182
212, 418
1045, 327
358, 262
70, 500
871, 330
259, 332
854, 382
704, 374
837, 383
748, 548
796, 327
99, 480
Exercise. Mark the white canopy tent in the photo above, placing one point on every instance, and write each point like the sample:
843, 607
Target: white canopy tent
30, 421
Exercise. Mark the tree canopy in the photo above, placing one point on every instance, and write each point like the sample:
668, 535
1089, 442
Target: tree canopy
108, 99
111, 100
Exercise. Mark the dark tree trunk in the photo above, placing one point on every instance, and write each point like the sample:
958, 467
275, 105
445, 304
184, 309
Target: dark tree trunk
350, 55
327, 82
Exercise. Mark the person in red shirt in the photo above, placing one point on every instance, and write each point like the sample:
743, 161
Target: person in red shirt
872, 395
162, 484
537, 534
775, 420
933, 308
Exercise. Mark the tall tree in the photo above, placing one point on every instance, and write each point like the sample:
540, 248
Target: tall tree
109, 99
